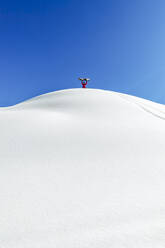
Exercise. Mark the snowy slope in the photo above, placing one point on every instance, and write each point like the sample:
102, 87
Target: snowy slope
82, 168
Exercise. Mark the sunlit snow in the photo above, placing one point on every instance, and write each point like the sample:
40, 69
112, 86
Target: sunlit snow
82, 168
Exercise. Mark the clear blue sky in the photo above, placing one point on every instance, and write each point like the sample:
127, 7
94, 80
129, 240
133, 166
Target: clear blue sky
46, 44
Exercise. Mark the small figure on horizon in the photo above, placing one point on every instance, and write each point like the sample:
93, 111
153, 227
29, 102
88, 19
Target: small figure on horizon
84, 81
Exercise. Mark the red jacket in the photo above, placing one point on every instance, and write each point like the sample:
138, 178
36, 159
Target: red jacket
84, 84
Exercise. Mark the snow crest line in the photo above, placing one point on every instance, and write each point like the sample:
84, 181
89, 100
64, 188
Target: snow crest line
143, 107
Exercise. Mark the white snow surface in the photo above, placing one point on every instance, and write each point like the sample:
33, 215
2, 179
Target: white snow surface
82, 168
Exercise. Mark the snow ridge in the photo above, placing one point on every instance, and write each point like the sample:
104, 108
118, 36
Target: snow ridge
82, 168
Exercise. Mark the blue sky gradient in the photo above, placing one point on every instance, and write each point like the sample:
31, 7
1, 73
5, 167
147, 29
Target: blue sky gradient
45, 45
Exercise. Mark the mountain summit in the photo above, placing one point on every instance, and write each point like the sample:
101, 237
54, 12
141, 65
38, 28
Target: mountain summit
82, 168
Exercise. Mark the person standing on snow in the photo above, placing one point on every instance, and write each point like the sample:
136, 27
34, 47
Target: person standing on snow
84, 81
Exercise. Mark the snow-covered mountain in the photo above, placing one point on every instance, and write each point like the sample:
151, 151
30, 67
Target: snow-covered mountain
82, 168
